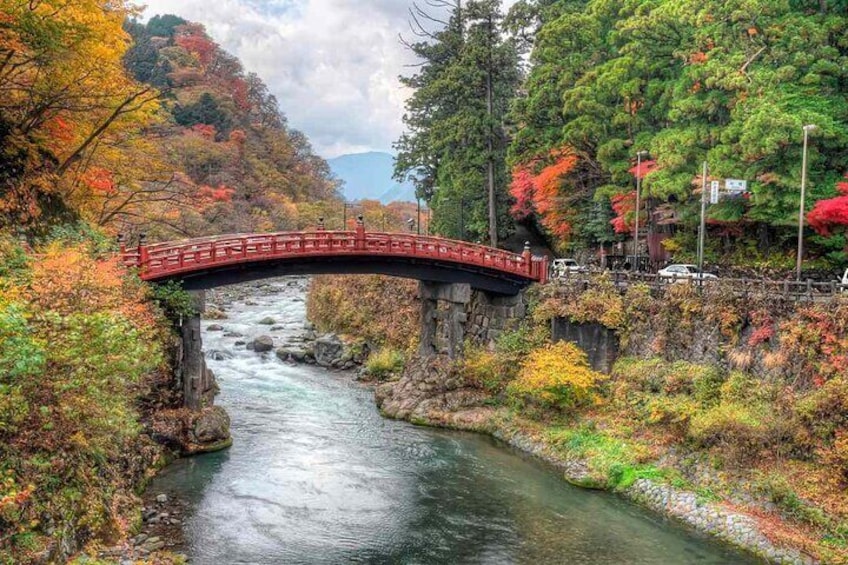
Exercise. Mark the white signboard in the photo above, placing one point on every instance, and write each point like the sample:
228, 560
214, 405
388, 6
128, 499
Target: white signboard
714, 192
735, 186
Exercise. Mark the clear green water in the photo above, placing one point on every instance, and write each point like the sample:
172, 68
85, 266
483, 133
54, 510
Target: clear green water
317, 476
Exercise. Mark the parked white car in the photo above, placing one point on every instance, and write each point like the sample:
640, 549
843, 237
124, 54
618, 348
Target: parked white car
845, 282
561, 267
685, 272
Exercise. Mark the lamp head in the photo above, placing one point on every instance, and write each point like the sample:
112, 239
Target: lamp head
810, 127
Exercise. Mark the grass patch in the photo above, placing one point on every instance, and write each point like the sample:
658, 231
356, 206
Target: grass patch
613, 462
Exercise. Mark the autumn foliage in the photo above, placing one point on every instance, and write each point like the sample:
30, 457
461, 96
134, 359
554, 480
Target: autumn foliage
832, 214
557, 376
541, 193
78, 338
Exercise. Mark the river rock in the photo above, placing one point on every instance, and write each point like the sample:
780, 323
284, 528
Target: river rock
328, 349
213, 313
293, 353
263, 343
216, 355
162, 498
215, 328
267, 321
212, 425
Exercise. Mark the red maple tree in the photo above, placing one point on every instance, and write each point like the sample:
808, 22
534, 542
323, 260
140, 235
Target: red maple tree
540, 193
832, 214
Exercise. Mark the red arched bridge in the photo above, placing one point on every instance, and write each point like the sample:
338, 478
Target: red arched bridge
214, 261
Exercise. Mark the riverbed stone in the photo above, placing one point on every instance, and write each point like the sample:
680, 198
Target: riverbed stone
217, 355
215, 328
328, 349
263, 344
214, 313
296, 354
267, 321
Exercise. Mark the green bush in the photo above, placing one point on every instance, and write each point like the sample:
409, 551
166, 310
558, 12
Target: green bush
173, 300
658, 376
483, 369
81, 233
13, 259
825, 410
384, 363
737, 425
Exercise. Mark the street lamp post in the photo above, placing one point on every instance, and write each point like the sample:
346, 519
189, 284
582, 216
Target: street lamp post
639, 156
807, 130
419, 215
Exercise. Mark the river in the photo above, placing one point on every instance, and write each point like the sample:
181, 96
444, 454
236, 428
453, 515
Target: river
316, 475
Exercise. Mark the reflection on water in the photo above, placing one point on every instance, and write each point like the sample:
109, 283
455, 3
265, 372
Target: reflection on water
317, 476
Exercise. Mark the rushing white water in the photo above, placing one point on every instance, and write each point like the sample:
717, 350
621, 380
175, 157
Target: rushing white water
315, 475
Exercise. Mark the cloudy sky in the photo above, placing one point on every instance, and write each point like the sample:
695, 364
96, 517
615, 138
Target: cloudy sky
333, 64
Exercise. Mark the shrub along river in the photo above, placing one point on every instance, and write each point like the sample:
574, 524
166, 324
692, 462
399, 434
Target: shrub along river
316, 475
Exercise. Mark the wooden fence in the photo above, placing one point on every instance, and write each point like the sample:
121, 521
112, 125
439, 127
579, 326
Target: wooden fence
806, 290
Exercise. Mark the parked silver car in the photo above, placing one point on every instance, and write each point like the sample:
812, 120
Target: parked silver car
562, 267
682, 271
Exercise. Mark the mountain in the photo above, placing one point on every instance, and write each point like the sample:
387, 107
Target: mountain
368, 176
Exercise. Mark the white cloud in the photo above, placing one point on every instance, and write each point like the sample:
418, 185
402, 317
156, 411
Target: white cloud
333, 64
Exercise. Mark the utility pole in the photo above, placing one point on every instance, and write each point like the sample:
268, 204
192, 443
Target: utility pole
639, 155
702, 229
490, 103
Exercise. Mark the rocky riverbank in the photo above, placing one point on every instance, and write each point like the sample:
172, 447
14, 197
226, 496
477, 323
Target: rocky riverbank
432, 392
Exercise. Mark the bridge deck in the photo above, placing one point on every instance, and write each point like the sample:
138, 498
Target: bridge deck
183, 258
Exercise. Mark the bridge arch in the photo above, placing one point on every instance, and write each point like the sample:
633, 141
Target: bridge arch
205, 263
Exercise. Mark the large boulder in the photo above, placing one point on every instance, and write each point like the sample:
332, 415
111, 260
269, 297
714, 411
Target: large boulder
263, 344
213, 424
328, 349
431, 391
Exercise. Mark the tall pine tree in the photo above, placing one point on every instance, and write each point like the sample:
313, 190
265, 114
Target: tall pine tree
454, 148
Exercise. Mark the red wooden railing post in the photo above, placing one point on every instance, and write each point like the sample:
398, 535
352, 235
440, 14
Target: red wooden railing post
143, 254
543, 266
528, 257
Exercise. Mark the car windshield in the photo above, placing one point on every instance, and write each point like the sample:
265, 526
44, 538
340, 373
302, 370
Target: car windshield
692, 269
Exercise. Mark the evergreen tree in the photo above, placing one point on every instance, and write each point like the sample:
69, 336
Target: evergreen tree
455, 140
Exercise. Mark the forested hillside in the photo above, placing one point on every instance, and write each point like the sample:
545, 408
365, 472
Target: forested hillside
123, 124
729, 83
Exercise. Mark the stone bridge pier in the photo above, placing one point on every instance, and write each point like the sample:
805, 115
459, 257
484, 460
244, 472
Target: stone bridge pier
198, 382
453, 313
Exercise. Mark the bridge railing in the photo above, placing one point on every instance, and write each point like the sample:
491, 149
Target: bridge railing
171, 258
